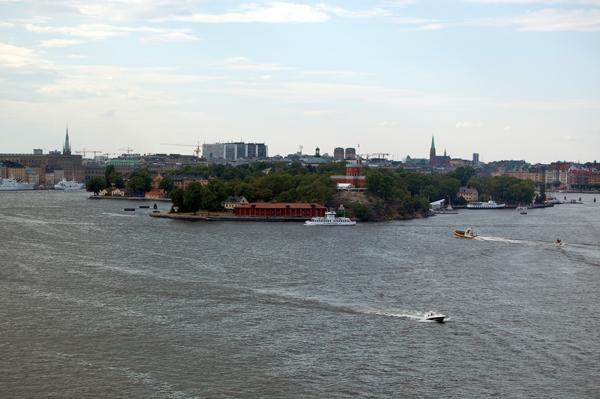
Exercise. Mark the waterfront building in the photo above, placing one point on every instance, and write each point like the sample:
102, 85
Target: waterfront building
71, 164
280, 209
468, 194
156, 192
232, 201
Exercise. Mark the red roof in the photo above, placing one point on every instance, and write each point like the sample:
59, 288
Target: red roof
280, 205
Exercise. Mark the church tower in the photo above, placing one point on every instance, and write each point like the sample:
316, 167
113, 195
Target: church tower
432, 153
67, 145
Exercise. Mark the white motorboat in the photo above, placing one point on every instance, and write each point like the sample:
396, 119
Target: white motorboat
13, 185
485, 205
433, 316
330, 219
68, 185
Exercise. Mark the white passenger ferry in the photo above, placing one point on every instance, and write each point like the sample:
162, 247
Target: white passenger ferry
68, 185
330, 219
485, 205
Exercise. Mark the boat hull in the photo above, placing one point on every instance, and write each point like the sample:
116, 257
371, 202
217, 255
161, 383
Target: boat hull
461, 234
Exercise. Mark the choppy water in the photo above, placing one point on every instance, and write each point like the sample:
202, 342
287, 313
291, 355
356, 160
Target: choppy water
96, 302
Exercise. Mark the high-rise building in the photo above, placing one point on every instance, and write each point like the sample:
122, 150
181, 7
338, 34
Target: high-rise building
475, 159
350, 153
234, 151
338, 154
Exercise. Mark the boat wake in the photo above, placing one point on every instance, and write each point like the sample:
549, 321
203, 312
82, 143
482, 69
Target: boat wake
276, 298
501, 239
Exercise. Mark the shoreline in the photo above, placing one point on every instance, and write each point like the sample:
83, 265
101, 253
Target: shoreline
108, 197
190, 217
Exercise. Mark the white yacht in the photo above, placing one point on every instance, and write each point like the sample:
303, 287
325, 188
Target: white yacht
68, 185
330, 219
13, 185
485, 205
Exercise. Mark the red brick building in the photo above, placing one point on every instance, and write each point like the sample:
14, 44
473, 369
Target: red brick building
280, 209
353, 175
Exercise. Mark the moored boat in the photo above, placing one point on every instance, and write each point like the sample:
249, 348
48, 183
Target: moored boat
485, 205
14, 185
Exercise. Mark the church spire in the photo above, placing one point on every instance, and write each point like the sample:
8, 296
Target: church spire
432, 159
67, 145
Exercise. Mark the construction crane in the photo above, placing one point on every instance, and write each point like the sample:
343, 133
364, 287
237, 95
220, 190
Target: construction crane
128, 150
197, 149
84, 152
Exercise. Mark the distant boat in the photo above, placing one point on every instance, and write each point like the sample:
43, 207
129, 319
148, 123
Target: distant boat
522, 210
485, 205
330, 219
13, 185
68, 185
469, 233
433, 316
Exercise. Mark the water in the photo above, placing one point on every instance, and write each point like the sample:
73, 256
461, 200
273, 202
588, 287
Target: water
97, 302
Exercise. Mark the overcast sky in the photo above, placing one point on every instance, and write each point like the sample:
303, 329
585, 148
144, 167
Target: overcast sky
510, 79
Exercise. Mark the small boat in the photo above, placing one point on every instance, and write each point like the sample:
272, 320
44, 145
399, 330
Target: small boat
558, 242
330, 219
433, 316
522, 210
129, 209
468, 233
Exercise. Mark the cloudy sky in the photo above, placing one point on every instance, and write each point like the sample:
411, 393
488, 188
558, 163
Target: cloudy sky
511, 79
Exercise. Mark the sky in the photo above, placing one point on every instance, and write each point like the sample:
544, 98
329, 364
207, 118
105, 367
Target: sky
509, 79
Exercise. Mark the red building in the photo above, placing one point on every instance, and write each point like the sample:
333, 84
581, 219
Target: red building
280, 209
353, 175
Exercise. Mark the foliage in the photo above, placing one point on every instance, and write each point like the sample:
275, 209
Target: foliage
139, 182
192, 197
95, 184
176, 196
166, 184
113, 178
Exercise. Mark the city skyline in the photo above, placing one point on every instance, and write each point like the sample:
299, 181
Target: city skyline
509, 79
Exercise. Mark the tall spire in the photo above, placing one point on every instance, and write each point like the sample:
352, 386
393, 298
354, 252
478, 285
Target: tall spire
67, 145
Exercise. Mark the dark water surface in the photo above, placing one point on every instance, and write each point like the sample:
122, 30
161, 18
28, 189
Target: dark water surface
96, 302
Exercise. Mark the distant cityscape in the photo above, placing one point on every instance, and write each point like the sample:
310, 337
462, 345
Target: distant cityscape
45, 170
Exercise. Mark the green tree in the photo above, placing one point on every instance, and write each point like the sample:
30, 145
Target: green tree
192, 197
95, 184
176, 196
166, 184
139, 182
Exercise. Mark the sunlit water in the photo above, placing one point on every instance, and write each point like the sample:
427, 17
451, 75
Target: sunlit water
98, 302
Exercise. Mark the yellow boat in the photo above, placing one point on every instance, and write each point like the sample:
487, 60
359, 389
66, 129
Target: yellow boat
469, 234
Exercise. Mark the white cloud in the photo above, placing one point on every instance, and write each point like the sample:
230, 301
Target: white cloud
59, 43
244, 64
559, 20
104, 31
18, 57
6, 24
278, 12
546, 2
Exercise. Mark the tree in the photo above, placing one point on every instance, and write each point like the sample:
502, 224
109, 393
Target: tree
176, 196
166, 184
95, 184
139, 183
192, 197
